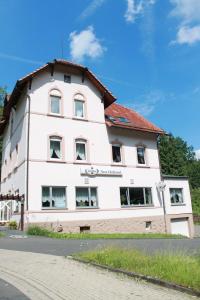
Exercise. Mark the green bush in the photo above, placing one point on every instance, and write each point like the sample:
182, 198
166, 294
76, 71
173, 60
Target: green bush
37, 230
12, 225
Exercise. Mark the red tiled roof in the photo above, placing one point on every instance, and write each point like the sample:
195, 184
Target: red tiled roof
136, 121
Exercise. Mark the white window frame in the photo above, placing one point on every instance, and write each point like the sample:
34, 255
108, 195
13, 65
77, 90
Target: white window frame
78, 97
144, 195
182, 196
56, 138
81, 141
120, 147
144, 151
50, 196
57, 94
89, 196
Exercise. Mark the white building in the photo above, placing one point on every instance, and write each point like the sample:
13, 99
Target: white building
84, 162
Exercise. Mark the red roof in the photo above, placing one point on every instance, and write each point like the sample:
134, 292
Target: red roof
132, 119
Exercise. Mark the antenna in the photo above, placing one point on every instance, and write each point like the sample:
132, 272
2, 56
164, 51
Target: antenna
62, 48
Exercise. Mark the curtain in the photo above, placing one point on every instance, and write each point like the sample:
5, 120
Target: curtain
80, 151
58, 197
140, 153
82, 197
55, 149
55, 105
79, 108
116, 153
45, 197
176, 196
93, 197
148, 196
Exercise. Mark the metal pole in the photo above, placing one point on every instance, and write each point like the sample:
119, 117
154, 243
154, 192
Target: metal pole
22, 215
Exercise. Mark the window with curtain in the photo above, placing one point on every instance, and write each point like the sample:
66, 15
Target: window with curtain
116, 153
135, 196
55, 102
81, 150
141, 155
53, 197
55, 148
176, 196
86, 197
79, 106
55, 105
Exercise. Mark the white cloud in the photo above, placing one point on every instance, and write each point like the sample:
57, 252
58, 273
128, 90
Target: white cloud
147, 103
91, 8
85, 44
136, 8
197, 152
188, 35
188, 11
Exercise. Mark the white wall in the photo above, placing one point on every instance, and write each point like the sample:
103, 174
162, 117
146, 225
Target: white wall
186, 207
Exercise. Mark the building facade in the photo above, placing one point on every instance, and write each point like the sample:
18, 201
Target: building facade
83, 162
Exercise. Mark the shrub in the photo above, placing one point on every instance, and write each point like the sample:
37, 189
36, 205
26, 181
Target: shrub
12, 225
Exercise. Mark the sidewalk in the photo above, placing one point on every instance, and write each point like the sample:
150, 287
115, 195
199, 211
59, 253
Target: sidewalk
46, 277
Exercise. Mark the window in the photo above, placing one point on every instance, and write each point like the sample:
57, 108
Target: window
176, 196
81, 150
116, 153
141, 155
55, 147
67, 78
55, 102
53, 197
86, 197
135, 196
123, 120
79, 106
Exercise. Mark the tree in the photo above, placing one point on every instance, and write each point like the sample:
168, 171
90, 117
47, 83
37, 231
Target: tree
175, 155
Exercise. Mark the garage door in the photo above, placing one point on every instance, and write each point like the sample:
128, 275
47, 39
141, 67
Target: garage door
180, 226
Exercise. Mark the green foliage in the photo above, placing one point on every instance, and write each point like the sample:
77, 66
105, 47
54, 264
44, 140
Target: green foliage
175, 155
178, 267
41, 231
12, 225
195, 193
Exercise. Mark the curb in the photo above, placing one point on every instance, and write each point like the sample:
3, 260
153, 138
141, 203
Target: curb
150, 279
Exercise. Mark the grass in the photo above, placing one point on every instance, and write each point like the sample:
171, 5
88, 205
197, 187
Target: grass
41, 231
179, 268
2, 234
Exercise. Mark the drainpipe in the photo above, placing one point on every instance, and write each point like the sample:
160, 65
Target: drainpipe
162, 192
27, 154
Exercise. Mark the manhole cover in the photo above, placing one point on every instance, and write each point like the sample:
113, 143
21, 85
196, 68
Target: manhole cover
18, 236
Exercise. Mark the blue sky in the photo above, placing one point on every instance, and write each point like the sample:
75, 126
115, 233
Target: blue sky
145, 51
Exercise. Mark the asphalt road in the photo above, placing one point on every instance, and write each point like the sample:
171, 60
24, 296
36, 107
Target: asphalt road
16, 241
9, 292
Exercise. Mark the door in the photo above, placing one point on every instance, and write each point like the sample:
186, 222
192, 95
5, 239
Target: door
180, 226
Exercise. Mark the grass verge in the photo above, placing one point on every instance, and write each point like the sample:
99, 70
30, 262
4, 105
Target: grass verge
179, 268
2, 234
40, 231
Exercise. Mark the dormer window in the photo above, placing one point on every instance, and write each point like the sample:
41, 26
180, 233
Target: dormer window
141, 155
79, 106
55, 102
55, 148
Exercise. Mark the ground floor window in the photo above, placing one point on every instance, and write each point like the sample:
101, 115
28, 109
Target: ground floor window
53, 197
176, 196
86, 197
135, 196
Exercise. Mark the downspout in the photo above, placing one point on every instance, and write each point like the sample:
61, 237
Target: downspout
162, 193
27, 153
